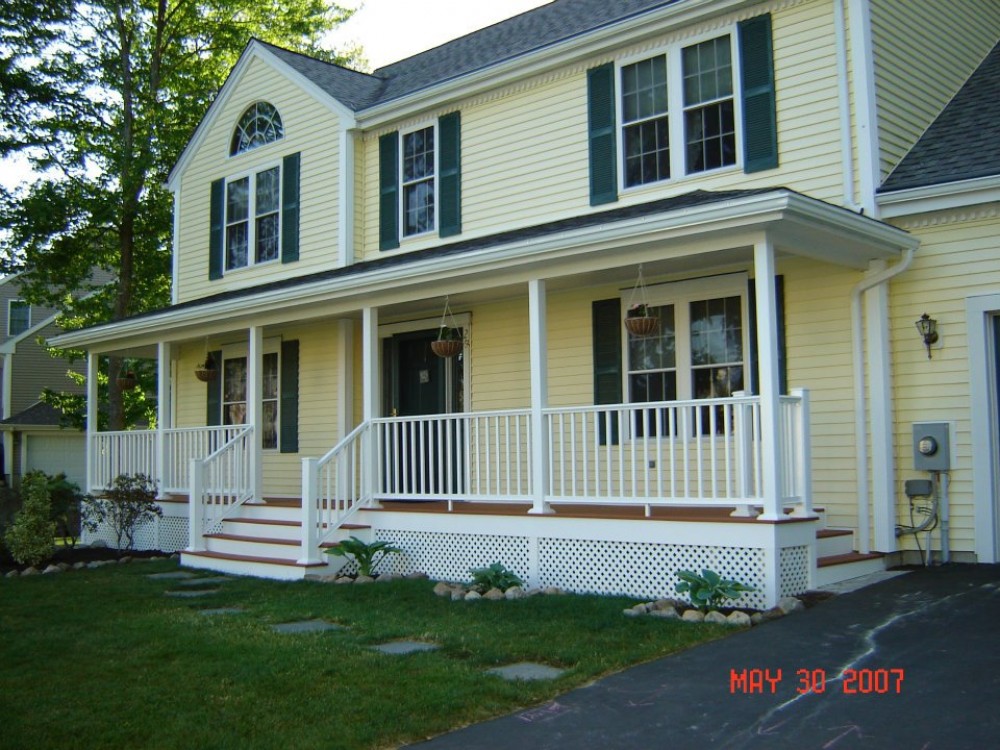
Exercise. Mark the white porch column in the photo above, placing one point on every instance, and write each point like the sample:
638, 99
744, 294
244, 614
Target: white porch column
255, 393
345, 381
881, 416
371, 392
164, 413
91, 416
767, 356
8, 436
538, 348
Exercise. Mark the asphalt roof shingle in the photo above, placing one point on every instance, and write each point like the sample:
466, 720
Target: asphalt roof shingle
963, 142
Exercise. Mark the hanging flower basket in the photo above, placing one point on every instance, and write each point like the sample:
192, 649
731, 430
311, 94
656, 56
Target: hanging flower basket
206, 371
640, 322
449, 341
127, 380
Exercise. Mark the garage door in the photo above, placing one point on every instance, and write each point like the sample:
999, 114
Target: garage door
57, 453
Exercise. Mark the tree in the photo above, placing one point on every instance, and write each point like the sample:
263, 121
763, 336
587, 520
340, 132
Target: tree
102, 96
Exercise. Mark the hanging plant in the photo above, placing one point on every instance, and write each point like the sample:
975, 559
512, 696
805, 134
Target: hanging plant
207, 371
126, 379
640, 318
449, 342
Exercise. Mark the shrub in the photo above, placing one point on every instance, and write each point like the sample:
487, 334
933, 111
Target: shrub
30, 538
367, 556
130, 502
10, 504
709, 590
65, 497
495, 576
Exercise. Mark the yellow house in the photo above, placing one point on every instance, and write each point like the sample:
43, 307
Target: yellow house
652, 229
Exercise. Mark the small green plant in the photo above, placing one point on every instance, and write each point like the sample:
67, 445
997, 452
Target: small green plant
30, 538
495, 576
127, 504
709, 590
366, 555
65, 497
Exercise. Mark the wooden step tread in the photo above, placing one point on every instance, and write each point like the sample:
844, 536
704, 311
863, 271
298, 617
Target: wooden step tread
257, 539
827, 533
253, 559
263, 521
847, 557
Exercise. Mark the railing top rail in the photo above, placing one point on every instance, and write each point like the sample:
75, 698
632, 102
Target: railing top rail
651, 405
524, 412
345, 441
247, 429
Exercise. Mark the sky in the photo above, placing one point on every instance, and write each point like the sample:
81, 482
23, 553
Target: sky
387, 30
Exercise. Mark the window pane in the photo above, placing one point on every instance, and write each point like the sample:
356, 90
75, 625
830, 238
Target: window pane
419, 207
19, 319
270, 384
237, 200
716, 331
647, 152
259, 125
716, 382
268, 191
234, 385
267, 238
644, 89
708, 71
270, 424
418, 154
236, 245
711, 136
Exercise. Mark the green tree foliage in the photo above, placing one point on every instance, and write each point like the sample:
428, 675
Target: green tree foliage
30, 539
102, 96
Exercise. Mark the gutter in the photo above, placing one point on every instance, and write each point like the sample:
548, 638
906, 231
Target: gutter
860, 405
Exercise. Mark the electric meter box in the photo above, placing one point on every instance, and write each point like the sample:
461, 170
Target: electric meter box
932, 446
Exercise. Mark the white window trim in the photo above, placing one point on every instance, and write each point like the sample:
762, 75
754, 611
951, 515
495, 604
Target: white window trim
676, 109
680, 294
253, 149
433, 124
241, 351
10, 307
252, 173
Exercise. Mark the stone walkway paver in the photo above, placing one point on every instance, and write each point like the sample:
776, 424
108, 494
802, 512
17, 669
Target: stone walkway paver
221, 611
526, 670
207, 581
190, 594
172, 575
405, 647
306, 626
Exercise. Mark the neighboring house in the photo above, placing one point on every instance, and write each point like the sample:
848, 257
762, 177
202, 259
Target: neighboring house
529, 185
31, 434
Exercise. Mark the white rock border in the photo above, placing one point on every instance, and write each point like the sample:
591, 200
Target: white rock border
671, 609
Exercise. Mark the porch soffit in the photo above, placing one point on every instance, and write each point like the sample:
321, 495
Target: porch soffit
705, 226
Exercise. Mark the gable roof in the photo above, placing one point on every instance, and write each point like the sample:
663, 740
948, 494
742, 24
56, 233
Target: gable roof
533, 30
963, 143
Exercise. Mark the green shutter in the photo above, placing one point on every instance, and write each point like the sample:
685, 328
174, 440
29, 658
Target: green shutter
450, 165
607, 342
601, 134
290, 209
753, 380
760, 125
217, 229
289, 406
213, 412
388, 194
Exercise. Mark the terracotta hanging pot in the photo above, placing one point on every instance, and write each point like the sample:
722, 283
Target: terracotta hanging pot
642, 325
207, 371
446, 348
126, 381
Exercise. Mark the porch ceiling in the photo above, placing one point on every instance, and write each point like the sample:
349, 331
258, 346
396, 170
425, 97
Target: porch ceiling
676, 235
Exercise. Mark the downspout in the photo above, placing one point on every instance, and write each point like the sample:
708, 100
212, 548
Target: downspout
860, 405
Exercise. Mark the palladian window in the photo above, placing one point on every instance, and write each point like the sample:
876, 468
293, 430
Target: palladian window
259, 125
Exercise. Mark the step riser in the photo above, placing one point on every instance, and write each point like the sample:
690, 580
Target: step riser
266, 531
846, 571
834, 545
243, 568
270, 512
253, 549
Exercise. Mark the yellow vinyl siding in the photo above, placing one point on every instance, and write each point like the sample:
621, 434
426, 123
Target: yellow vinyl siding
310, 129
956, 260
524, 148
923, 53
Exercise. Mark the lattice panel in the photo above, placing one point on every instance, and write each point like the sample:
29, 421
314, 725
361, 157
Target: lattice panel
794, 570
173, 534
165, 534
449, 557
642, 569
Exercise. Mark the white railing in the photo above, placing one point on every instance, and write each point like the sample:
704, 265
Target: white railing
187, 443
220, 483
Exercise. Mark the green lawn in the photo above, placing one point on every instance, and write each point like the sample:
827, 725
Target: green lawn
102, 659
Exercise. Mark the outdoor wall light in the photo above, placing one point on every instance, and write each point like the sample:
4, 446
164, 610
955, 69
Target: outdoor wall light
928, 331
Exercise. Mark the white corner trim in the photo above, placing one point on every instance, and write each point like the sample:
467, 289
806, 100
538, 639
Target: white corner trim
983, 407
950, 195
345, 206
866, 118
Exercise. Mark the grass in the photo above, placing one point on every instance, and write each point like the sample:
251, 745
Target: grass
102, 659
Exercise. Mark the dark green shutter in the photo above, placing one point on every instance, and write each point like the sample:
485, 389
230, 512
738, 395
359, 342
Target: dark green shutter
388, 193
601, 134
290, 209
607, 338
760, 125
217, 229
753, 380
213, 411
450, 164
289, 407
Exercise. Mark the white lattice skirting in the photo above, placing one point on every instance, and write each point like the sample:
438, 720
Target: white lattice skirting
167, 534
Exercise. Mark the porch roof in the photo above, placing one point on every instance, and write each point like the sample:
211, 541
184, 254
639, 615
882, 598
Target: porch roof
690, 224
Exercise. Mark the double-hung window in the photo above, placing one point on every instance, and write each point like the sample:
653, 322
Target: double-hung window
234, 395
18, 317
419, 168
699, 350
253, 218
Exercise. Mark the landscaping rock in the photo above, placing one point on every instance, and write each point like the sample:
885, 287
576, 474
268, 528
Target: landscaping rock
693, 615
176, 556
442, 589
99, 544
514, 592
52, 569
459, 594
388, 578
79, 565
64, 566
12, 574
364, 579
756, 618
473, 596
789, 604
416, 575
494, 595
665, 614
663, 604
741, 619
553, 591
535, 592
774, 613
344, 579
716, 618
124, 560
633, 612
30, 571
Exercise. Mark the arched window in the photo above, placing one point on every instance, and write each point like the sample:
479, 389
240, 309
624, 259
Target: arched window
259, 125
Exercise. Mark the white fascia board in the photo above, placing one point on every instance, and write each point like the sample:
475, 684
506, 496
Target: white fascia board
255, 51
950, 195
754, 213
534, 62
10, 345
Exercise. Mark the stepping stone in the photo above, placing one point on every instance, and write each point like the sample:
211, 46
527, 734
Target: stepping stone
190, 594
177, 574
526, 670
220, 611
204, 581
405, 647
306, 626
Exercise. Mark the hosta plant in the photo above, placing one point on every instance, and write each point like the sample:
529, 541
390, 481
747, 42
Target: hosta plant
366, 555
709, 590
495, 576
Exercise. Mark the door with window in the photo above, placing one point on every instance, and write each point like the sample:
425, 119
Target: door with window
422, 456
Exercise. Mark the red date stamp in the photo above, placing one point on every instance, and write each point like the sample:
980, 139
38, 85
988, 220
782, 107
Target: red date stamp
850, 681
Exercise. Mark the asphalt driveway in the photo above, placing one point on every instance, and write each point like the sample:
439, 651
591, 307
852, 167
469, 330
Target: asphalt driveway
911, 662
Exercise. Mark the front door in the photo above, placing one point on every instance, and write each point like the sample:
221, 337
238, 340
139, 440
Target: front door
421, 455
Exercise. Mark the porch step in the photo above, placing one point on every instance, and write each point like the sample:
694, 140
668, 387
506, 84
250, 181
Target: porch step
250, 565
830, 542
254, 546
263, 527
843, 567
